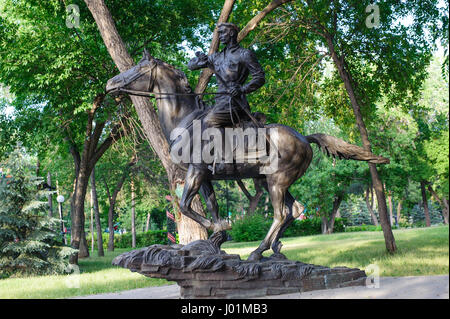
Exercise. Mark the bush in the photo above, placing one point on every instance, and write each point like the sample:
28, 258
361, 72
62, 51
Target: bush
312, 226
142, 239
250, 228
255, 227
365, 228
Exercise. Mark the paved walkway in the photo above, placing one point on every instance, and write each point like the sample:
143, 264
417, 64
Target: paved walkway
423, 287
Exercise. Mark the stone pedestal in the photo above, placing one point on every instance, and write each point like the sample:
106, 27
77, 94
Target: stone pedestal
202, 270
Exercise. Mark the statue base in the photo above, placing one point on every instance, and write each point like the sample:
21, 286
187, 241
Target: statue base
202, 270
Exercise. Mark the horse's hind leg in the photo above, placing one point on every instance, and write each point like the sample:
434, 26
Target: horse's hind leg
207, 192
277, 196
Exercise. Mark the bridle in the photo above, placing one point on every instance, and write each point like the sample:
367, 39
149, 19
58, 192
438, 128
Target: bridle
151, 84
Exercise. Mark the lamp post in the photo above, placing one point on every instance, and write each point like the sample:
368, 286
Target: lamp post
60, 200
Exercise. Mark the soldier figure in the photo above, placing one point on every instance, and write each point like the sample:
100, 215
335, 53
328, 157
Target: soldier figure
232, 67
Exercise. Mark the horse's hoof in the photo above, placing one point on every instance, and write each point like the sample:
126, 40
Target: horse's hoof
255, 256
278, 256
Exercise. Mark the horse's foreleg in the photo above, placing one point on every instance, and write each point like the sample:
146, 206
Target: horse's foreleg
207, 191
193, 181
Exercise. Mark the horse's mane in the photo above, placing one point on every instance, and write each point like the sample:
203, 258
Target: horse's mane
181, 77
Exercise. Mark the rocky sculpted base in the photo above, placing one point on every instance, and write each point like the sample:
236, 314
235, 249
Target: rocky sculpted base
202, 270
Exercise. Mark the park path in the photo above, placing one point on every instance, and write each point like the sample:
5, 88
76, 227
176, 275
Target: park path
421, 287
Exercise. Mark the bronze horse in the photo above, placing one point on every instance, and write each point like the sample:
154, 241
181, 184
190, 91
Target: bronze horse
294, 153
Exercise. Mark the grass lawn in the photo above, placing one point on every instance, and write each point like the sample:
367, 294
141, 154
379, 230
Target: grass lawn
97, 275
421, 251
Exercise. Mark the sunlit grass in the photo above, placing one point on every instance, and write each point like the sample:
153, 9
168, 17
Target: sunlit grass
97, 275
421, 251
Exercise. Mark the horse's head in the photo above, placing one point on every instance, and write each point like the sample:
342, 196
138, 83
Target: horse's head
137, 78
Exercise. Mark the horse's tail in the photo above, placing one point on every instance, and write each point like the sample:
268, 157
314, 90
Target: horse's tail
334, 146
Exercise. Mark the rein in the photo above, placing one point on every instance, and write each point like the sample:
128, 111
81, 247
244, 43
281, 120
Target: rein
149, 94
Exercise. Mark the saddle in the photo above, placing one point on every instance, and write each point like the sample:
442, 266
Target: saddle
221, 165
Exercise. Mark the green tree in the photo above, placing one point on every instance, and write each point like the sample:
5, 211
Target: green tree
29, 241
370, 62
57, 74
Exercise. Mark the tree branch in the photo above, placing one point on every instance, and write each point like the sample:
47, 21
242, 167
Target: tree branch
253, 23
205, 76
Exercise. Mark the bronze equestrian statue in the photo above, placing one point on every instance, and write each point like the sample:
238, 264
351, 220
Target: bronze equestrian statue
178, 106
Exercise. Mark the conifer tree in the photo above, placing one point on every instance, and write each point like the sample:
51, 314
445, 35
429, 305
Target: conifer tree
29, 241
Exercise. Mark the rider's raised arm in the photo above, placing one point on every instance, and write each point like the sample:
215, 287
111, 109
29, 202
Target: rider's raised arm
199, 62
256, 72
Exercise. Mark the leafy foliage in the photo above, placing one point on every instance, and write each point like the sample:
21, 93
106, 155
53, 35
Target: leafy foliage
143, 239
255, 227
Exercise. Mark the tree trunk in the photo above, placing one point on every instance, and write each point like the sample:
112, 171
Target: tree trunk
442, 202
399, 211
370, 206
147, 224
376, 181
336, 204
111, 225
425, 203
145, 111
391, 208
328, 224
185, 225
112, 203
133, 216
324, 225
38, 167
98, 224
254, 200
266, 205
78, 239
91, 224
50, 199
84, 247
445, 211
84, 164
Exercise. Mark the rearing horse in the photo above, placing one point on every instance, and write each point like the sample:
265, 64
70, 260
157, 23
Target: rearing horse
293, 157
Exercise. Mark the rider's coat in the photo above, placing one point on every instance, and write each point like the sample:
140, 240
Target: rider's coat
232, 67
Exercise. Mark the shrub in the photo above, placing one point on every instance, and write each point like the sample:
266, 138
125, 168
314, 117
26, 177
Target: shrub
142, 239
255, 227
312, 226
250, 228
365, 228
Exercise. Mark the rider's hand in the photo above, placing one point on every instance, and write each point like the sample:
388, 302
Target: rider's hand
201, 56
235, 91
